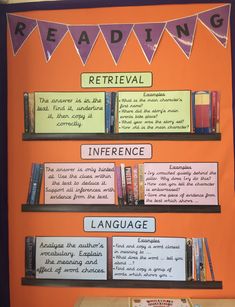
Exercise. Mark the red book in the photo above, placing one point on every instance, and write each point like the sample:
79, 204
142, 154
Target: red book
202, 112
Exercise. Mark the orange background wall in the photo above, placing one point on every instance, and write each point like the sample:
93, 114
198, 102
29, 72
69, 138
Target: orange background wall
209, 67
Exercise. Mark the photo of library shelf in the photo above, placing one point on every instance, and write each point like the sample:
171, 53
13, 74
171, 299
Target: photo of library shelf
117, 153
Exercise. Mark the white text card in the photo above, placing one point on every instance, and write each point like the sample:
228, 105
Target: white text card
71, 258
79, 183
181, 183
149, 258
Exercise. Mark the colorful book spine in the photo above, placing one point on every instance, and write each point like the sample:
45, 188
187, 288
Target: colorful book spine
202, 112
129, 186
116, 114
141, 183
30, 183
209, 259
135, 185
218, 113
202, 265
107, 112
123, 177
31, 112
30, 246
112, 113
110, 258
26, 112
39, 184
196, 258
213, 110
119, 186
34, 184
189, 257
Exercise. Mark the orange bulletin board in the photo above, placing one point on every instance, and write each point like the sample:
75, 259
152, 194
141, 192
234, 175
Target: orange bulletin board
209, 67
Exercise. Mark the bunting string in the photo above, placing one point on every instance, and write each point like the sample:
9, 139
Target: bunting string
182, 31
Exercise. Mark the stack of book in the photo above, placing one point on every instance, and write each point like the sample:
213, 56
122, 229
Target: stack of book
130, 184
35, 183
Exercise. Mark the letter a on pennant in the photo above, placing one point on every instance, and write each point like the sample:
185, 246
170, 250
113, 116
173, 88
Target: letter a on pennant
216, 21
149, 35
116, 37
20, 29
84, 38
51, 35
182, 31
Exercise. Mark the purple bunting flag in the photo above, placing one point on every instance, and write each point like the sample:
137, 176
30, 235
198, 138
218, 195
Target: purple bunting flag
182, 31
84, 38
116, 36
149, 35
20, 29
51, 35
216, 21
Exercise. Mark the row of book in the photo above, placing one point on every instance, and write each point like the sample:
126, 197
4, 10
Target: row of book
35, 183
205, 112
130, 184
198, 259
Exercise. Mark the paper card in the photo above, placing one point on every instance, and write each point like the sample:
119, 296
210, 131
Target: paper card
116, 151
119, 224
79, 183
69, 112
181, 183
71, 258
159, 302
149, 258
158, 111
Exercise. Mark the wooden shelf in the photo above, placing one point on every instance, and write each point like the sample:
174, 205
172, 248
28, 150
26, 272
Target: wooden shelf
123, 136
117, 209
122, 283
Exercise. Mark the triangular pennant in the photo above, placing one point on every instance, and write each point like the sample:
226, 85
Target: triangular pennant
182, 31
216, 21
20, 29
116, 36
84, 38
149, 35
51, 35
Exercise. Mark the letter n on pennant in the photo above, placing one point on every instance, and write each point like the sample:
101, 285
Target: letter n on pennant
182, 31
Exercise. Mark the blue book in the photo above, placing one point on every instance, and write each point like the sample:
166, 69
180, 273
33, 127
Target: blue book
107, 112
112, 113
35, 180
